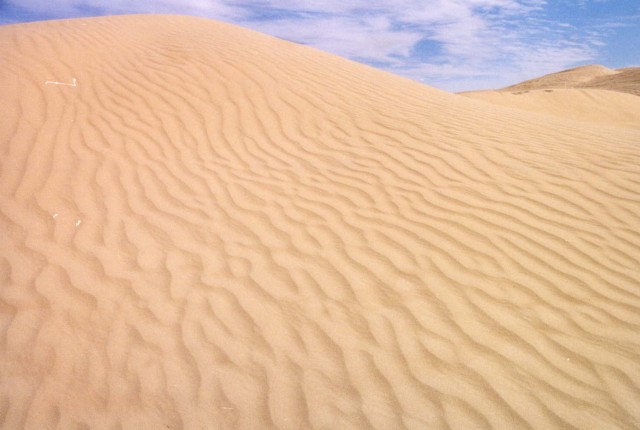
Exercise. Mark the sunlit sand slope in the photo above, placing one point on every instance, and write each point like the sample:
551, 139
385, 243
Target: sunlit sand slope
625, 80
208, 228
590, 105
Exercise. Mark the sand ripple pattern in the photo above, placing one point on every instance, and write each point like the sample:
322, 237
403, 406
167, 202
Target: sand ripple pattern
204, 227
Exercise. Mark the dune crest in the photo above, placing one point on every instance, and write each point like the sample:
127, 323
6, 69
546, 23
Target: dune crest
206, 227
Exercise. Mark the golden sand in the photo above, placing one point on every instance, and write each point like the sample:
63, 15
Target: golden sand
594, 106
204, 227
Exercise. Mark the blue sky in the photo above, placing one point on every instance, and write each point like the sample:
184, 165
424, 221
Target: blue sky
455, 45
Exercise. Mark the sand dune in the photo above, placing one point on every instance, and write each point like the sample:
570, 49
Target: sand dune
593, 94
208, 228
625, 80
589, 105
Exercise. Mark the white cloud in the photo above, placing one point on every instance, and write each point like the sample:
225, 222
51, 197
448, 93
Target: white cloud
70, 8
475, 37
371, 38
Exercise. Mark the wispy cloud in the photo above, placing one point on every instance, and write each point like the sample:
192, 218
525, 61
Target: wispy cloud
454, 44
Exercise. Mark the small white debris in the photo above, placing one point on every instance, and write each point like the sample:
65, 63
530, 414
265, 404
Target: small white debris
73, 84
226, 408
55, 216
568, 359
78, 223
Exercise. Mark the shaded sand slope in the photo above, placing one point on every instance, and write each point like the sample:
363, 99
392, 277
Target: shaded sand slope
217, 229
625, 80
590, 105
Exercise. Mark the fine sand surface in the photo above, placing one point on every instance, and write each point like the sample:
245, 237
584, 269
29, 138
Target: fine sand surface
603, 107
593, 94
203, 227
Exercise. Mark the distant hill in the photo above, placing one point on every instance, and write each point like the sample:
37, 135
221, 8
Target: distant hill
626, 80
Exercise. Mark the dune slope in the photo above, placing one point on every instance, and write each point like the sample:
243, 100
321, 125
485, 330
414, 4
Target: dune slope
205, 227
626, 80
610, 108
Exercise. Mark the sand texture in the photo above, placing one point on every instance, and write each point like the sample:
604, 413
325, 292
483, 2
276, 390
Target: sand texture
203, 227
626, 80
594, 106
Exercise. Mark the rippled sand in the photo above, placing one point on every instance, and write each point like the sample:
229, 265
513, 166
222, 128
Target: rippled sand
203, 227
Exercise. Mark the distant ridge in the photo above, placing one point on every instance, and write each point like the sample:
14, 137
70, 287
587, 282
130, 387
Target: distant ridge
626, 80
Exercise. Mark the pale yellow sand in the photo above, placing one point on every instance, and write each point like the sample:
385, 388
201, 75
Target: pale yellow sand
603, 107
208, 228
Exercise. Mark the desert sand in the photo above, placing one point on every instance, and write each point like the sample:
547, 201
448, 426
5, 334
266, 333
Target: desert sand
595, 76
604, 107
204, 227
594, 94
